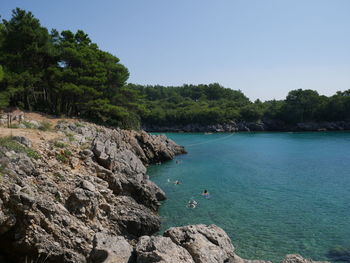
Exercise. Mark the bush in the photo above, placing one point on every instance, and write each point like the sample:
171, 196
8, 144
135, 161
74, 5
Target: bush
45, 126
13, 126
64, 156
28, 125
59, 144
10, 144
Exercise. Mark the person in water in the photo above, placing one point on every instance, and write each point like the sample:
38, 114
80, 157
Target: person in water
205, 193
177, 182
192, 204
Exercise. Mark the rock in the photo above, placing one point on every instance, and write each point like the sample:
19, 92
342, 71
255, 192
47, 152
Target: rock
135, 219
295, 258
83, 204
88, 186
160, 249
207, 244
237, 259
34, 124
23, 140
74, 162
23, 165
111, 249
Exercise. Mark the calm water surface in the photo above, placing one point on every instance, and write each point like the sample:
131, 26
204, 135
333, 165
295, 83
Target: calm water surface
273, 193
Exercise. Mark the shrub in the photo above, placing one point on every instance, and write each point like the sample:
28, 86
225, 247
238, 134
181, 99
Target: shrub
28, 125
13, 126
79, 124
10, 144
59, 144
45, 126
64, 156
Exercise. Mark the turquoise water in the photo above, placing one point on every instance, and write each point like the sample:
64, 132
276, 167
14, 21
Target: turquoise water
273, 193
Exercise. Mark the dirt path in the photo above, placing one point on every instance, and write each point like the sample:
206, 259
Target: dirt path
36, 136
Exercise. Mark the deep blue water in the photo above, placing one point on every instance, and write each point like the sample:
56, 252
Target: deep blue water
273, 193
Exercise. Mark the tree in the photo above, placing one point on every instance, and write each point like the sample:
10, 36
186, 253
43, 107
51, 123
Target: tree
25, 54
301, 105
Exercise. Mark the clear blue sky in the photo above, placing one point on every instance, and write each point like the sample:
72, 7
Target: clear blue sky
263, 47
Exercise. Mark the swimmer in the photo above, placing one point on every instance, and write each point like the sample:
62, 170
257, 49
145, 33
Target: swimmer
205, 193
177, 182
192, 204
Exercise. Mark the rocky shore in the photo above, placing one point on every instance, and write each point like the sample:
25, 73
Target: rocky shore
252, 126
81, 193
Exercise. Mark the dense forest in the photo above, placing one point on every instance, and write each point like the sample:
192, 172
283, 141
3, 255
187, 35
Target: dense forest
62, 74
66, 74
212, 104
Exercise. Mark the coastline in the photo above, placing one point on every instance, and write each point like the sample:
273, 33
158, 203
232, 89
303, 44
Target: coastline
268, 126
85, 196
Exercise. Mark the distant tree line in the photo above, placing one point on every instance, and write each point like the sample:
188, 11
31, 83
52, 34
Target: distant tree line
65, 73
214, 104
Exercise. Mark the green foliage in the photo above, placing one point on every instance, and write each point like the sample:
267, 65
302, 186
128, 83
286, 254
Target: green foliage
45, 126
28, 125
213, 104
11, 145
59, 176
202, 104
63, 74
59, 144
64, 156
70, 136
13, 126
2, 170
1, 73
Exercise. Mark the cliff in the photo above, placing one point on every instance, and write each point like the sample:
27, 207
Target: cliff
80, 193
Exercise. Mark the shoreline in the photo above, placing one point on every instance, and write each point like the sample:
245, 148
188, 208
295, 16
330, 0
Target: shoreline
84, 195
267, 126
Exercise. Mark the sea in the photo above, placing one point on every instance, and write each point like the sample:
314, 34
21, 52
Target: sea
273, 193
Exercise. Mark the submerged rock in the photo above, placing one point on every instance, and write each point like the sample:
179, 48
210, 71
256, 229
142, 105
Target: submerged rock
295, 258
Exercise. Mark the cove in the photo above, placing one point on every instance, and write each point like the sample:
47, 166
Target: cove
273, 193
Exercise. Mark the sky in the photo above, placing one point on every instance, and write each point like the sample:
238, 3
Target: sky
263, 47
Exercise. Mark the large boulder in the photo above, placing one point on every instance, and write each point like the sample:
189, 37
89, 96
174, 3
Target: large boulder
111, 249
160, 249
205, 243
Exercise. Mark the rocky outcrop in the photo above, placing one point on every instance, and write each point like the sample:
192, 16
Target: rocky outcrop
266, 125
205, 243
160, 249
111, 249
195, 243
91, 181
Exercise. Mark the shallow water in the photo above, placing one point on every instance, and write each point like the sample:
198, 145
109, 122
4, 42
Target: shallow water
273, 193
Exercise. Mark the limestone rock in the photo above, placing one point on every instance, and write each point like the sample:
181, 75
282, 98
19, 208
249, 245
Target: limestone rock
207, 244
111, 249
160, 249
23, 140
